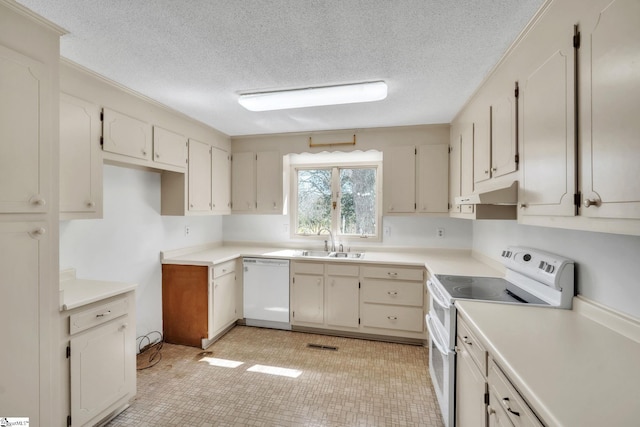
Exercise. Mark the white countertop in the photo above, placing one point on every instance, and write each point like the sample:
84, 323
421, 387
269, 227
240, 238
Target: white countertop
572, 370
438, 261
78, 292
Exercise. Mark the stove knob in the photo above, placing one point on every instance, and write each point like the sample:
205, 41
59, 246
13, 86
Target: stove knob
550, 268
527, 257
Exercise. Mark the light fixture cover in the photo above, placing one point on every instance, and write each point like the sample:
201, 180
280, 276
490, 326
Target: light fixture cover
314, 96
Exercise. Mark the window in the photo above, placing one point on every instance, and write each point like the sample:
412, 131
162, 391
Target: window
344, 199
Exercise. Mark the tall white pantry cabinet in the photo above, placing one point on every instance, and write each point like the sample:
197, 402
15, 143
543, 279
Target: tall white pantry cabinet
29, 298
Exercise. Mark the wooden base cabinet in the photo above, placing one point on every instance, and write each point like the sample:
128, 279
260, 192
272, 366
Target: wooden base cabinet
198, 302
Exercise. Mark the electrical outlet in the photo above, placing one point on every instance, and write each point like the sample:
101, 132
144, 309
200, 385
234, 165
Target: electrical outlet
187, 230
285, 228
440, 232
387, 231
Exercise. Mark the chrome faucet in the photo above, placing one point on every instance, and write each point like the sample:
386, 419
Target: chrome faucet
333, 242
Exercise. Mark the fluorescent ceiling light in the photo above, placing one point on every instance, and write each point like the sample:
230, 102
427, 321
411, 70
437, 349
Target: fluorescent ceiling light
314, 96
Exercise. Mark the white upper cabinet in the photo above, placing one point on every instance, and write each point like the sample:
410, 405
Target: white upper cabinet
610, 111
243, 182
257, 182
482, 146
169, 148
269, 182
199, 176
416, 179
25, 123
433, 173
80, 159
548, 124
126, 135
221, 181
504, 147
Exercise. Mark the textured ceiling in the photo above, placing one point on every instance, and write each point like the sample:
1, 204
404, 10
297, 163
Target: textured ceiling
197, 56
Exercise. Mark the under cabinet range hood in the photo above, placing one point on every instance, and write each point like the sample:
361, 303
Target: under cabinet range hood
503, 195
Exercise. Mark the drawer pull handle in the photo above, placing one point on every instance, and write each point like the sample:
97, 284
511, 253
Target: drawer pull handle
392, 293
392, 273
465, 340
106, 313
505, 403
392, 317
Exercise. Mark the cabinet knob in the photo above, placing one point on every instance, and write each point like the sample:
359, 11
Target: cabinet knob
505, 403
591, 202
392, 293
466, 340
38, 200
90, 204
491, 411
392, 317
392, 273
523, 205
106, 313
38, 232
486, 172
144, 152
190, 205
157, 155
494, 169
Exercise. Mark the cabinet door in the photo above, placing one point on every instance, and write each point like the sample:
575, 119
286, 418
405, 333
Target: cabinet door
243, 182
610, 103
269, 182
80, 159
470, 390
400, 179
102, 368
221, 181
433, 184
169, 148
199, 176
455, 169
482, 146
25, 120
466, 158
224, 302
24, 294
126, 135
307, 299
343, 301
504, 145
548, 137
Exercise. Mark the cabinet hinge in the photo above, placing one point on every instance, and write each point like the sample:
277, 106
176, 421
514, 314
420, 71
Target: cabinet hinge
293, 280
448, 206
517, 158
101, 141
576, 37
415, 151
486, 398
358, 320
415, 206
358, 285
516, 91
231, 158
68, 420
68, 351
256, 157
293, 314
576, 198
101, 116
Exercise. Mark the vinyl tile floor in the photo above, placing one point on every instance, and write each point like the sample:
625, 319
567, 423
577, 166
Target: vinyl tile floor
265, 377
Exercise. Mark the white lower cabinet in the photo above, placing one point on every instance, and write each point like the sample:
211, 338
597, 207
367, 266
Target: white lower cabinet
102, 358
223, 306
484, 394
358, 298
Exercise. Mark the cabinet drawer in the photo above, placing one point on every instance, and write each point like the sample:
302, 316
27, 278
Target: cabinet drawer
392, 272
307, 267
475, 348
392, 317
224, 268
98, 315
393, 292
509, 399
342, 270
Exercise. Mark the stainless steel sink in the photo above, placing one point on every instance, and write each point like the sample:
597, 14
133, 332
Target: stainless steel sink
326, 254
346, 255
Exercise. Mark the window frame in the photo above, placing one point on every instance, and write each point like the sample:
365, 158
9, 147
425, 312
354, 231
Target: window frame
335, 168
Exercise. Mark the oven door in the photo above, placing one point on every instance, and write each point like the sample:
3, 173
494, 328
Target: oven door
443, 314
442, 371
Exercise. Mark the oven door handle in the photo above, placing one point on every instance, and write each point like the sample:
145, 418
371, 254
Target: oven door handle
435, 336
435, 294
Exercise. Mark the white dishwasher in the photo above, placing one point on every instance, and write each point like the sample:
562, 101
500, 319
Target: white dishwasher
266, 292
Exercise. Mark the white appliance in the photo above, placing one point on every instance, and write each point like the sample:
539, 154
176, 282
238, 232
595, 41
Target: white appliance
266, 292
533, 277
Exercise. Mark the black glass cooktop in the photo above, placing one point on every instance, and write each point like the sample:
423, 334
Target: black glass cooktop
486, 289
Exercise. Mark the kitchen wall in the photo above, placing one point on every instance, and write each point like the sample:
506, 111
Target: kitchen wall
405, 232
608, 268
125, 245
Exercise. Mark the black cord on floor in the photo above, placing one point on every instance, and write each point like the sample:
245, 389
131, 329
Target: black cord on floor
149, 354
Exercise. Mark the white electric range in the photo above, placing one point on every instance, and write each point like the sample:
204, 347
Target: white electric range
532, 277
